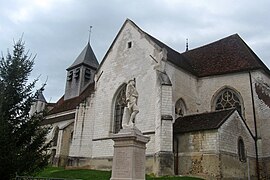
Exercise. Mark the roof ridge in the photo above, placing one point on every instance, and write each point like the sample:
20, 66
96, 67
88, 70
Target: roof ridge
202, 121
227, 55
211, 43
230, 112
207, 112
255, 56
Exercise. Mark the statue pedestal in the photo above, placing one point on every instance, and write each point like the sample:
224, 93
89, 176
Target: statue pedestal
129, 155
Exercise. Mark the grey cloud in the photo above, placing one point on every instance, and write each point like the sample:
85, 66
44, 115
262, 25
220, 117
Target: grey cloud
59, 33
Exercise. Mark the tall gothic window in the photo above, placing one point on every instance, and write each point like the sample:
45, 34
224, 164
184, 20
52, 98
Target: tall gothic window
120, 104
228, 98
241, 150
180, 108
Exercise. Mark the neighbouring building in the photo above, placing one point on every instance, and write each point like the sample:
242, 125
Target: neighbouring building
206, 110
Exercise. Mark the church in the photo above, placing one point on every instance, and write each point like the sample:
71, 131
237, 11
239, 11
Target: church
206, 110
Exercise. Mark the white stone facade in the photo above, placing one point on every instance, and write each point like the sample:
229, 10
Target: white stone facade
134, 55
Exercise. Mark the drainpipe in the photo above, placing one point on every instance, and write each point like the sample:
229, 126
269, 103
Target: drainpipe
248, 168
255, 126
177, 158
175, 153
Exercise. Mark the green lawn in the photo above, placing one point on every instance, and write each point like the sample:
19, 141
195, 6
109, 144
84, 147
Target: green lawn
84, 174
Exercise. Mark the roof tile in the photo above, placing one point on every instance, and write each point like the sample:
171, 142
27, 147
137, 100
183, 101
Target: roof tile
204, 121
70, 104
227, 55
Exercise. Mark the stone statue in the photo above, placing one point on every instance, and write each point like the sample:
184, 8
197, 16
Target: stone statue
132, 109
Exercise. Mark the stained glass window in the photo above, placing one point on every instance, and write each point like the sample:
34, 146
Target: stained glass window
120, 104
228, 99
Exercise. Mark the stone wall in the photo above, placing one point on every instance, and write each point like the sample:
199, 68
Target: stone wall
232, 168
61, 150
208, 87
119, 66
229, 133
184, 85
83, 130
213, 154
133, 55
65, 133
198, 154
261, 89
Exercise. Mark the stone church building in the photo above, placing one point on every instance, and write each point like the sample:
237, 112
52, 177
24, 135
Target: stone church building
206, 110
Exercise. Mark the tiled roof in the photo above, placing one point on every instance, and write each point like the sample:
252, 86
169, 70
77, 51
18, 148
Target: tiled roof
86, 57
199, 122
70, 104
227, 55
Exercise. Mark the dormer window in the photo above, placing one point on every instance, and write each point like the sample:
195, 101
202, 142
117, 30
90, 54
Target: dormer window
70, 75
87, 74
77, 73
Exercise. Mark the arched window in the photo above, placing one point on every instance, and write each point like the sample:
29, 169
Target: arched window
120, 104
241, 150
228, 98
180, 108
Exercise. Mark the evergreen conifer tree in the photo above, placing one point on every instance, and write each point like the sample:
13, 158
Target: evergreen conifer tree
22, 139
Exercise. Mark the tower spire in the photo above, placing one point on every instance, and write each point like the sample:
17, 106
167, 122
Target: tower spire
90, 30
186, 44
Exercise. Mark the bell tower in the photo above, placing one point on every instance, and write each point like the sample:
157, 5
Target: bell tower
81, 73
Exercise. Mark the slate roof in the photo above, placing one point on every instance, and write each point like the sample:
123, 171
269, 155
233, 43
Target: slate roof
228, 55
70, 104
199, 122
40, 96
86, 57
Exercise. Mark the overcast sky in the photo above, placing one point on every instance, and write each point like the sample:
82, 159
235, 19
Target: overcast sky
57, 30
